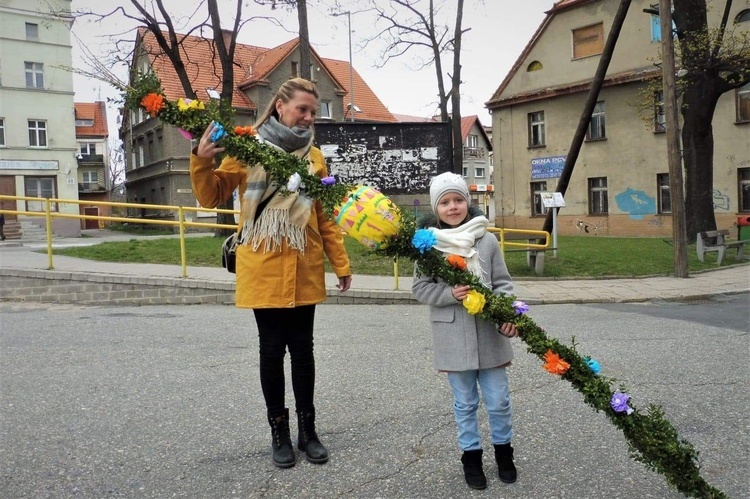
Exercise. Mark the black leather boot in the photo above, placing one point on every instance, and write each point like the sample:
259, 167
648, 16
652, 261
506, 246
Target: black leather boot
473, 472
506, 470
283, 452
308, 441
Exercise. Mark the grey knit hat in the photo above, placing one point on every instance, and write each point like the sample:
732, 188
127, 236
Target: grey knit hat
445, 183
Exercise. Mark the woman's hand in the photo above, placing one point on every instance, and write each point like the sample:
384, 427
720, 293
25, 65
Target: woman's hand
508, 329
206, 148
344, 283
460, 291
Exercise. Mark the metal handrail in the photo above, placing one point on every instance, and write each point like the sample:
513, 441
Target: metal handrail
533, 234
49, 214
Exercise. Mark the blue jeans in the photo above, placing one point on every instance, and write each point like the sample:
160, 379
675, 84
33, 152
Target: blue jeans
494, 385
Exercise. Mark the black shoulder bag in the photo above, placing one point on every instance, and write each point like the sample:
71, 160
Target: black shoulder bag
229, 248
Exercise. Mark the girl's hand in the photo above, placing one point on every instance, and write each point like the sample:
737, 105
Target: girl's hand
460, 291
508, 329
206, 148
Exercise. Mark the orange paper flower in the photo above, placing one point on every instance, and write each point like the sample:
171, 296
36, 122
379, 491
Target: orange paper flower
244, 130
153, 103
554, 364
456, 261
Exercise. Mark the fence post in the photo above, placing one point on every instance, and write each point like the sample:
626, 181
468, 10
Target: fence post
395, 272
183, 255
48, 217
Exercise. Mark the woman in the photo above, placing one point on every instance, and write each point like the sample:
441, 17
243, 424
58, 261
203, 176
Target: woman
280, 273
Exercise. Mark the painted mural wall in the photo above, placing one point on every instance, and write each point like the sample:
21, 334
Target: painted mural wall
395, 158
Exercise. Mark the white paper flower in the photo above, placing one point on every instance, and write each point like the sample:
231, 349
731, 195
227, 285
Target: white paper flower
294, 182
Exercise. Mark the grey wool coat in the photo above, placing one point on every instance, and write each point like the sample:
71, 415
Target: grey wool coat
461, 341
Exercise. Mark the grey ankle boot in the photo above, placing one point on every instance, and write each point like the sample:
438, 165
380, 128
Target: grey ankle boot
308, 441
281, 443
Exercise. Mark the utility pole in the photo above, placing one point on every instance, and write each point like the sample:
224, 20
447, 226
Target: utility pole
676, 188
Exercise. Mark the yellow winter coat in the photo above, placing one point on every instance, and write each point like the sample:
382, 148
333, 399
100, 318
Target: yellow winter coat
274, 279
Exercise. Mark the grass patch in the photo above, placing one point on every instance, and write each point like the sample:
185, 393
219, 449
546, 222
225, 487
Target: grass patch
578, 256
141, 229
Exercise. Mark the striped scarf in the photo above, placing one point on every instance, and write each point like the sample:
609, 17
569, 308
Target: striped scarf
284, 217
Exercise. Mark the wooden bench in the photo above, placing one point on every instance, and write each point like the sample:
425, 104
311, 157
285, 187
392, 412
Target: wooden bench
715, 240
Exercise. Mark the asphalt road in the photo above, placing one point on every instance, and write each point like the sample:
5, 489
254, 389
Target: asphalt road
165, 402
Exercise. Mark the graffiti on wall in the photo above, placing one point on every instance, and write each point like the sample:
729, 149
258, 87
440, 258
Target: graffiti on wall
586, 227
635, 203
395, 158
721, 201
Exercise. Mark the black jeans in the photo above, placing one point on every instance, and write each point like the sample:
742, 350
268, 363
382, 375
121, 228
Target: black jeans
279, 329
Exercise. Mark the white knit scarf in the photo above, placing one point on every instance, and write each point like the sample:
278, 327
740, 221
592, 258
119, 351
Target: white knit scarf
461, 240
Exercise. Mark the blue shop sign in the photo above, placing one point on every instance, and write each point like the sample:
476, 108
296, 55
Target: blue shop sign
550, 167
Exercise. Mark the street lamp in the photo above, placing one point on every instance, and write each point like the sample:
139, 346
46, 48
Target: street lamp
350, 107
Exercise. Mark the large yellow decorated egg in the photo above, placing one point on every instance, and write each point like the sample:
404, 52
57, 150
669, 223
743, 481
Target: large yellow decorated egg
368, 216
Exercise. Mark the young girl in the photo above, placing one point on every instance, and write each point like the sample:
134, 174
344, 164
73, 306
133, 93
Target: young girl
469, 349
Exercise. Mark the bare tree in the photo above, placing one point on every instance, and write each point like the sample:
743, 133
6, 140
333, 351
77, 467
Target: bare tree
716, 61
153, 15
305, 59
410, 26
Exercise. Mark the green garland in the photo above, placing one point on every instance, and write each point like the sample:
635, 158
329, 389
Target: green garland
651, 438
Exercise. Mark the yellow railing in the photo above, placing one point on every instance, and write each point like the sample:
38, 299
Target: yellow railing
507, 237
513, 238
49, 214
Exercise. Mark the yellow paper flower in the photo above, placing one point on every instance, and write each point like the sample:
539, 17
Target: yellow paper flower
185, 104
474, 302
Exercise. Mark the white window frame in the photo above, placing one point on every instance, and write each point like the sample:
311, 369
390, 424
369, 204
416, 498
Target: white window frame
39, 190
597, 129
537, 207
2, 132
598, 196
472, 141
660, 116
465, 171
325, 110
743, 103
90, 177
37, 133
743, 185
479, 171
536, 129
664, 195
34, 74
87, 148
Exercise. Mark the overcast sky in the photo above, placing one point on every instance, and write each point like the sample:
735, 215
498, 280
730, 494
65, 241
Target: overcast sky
499, 29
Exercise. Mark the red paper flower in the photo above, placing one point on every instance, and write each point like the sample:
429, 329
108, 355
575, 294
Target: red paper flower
244, 130
554, 364
153, 103
456, 261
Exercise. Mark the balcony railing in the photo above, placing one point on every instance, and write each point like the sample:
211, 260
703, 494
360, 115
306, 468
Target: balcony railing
90, 187
473, 152
91, 158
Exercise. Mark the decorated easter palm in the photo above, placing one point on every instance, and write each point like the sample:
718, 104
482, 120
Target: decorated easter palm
375, 221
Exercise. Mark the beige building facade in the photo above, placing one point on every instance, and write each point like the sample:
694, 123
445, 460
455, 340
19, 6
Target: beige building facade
38, 146
620, 185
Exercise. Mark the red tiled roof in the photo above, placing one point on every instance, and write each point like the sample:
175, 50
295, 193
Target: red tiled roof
96, 111
255, 64
372, 108
467, 122
202, 67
